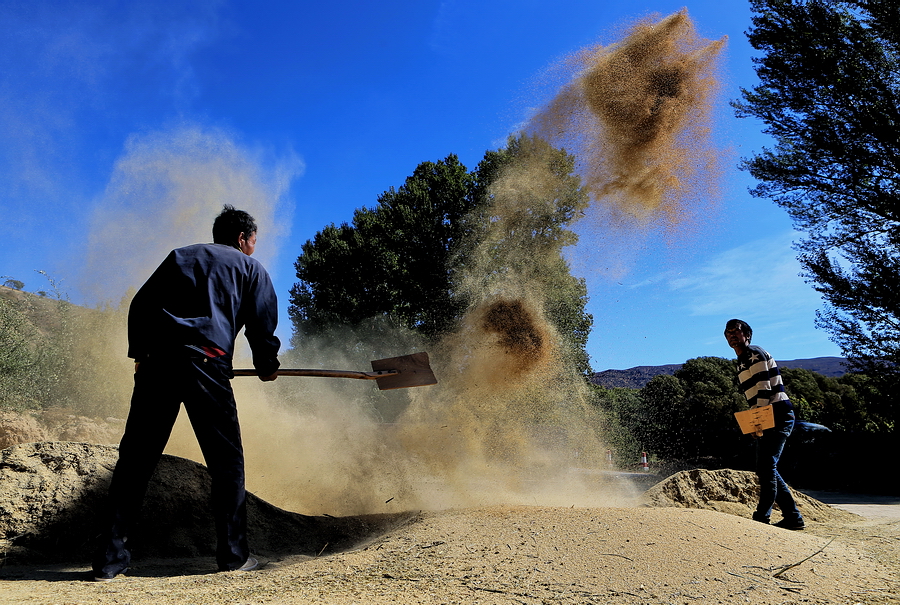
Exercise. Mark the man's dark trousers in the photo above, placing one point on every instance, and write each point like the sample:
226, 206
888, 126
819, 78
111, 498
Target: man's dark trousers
772, 488
161, 384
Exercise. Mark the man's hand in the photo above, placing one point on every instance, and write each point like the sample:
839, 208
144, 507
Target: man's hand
269, 378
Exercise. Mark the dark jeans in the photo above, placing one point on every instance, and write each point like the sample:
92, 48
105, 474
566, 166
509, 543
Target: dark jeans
160, 387
772, 488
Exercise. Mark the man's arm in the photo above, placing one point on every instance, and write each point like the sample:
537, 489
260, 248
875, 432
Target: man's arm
261, 322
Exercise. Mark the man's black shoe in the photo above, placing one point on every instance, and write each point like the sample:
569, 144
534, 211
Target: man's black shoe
791, 524
94, 576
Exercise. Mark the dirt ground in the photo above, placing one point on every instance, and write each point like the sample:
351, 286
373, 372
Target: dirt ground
690, 542
527, 555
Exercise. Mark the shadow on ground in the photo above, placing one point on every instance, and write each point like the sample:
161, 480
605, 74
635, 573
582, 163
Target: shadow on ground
52, 495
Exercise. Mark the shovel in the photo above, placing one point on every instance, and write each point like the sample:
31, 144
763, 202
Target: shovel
391, 373
756, 420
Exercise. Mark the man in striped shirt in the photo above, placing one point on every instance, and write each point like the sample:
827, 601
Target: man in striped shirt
759, 379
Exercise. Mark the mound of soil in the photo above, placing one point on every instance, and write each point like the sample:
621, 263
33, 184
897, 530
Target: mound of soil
732, 492
57, 424
20, 428
50, 492
52, 495
66, 426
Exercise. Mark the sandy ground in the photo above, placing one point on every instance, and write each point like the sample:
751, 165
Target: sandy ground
528, 555
692, 542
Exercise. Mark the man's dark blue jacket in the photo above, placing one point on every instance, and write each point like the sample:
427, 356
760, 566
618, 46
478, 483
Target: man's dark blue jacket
201, 296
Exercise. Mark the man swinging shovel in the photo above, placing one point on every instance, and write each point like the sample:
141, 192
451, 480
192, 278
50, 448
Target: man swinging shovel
182, 325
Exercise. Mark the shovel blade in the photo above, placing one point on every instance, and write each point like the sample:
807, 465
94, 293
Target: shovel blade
413, 371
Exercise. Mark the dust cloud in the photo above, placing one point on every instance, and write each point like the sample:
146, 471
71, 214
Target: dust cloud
164, 192
510, 420
637, 116
519, 334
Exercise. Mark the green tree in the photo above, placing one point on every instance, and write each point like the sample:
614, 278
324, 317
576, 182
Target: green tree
851, 403
392, 261
877, 403
805, 394
620, 408
711, 399
659, 423
829, 95
409, 262
689, 415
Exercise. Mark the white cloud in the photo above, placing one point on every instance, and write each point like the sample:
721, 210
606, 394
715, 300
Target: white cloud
756, 279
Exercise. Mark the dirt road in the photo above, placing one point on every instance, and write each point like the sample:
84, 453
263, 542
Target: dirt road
865, 505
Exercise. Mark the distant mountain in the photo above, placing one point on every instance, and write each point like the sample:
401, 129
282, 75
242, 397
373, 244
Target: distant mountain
826, 366
632, 378
637, 377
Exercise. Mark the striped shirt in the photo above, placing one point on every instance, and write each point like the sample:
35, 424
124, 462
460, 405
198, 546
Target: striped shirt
760, 380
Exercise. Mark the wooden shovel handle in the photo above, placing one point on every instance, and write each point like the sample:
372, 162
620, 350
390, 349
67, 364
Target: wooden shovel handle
323, 373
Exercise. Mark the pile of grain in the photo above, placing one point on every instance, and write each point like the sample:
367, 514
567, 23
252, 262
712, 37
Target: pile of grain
52, 495
732, 492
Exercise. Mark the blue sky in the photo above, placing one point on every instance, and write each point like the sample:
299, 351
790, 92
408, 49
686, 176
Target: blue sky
124, 125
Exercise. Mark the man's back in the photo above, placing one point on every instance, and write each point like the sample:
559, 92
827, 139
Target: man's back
202, 295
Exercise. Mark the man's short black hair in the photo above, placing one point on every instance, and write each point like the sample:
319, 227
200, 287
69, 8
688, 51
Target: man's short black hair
229, 225
741, 325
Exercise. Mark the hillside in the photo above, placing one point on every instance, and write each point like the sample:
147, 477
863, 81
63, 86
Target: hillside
637, 377
41, 311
